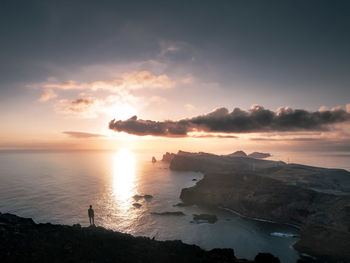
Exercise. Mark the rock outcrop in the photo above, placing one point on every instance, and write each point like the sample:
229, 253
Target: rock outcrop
146, 197
137, 205
316, 199
205, 218
258, 155
181, 204
168, 157
255, 155
21, 240
238, 154
167, 213
266, 257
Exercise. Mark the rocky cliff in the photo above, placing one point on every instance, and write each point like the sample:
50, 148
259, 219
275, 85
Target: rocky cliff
168, 157
316, 199
206, 163
21, 240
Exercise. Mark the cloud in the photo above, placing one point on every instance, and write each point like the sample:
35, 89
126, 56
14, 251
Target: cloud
293, 133
118, 106
157, 100
67, 85
135, 80
176, 51
136, 88
84, 107
47, 95
82, 135
296, 139
215, 136
148, 127
187, 80
189, 107
87, 101
256, 119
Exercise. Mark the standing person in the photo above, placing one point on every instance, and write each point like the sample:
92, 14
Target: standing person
91, 215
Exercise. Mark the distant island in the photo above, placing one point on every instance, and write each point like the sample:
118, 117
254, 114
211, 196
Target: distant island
168, 157
317, 200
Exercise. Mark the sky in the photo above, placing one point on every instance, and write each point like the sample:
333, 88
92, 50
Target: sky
213, 76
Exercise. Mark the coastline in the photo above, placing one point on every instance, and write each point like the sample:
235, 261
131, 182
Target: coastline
22, 240
223, 234
259, 219
277, 192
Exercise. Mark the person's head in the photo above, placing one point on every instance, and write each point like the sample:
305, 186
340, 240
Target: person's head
90, 206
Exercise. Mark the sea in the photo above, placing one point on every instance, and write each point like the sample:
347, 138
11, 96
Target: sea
59, 187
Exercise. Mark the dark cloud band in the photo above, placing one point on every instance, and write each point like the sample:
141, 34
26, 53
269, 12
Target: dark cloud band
256, 119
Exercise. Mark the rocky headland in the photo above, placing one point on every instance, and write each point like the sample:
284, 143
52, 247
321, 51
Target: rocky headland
315, 199
168, 157
22, 240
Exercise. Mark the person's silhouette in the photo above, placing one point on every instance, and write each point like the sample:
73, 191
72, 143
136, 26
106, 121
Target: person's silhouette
91, 215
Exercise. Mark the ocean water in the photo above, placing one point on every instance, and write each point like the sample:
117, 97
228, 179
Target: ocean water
339, 160
58, 187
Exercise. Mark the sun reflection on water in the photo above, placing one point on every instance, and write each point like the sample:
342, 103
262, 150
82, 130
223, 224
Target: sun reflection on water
124, 175
120, 214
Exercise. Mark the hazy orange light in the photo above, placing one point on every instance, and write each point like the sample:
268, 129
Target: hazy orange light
122, 111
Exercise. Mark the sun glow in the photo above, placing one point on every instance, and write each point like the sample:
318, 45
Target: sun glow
124, 174
123, 111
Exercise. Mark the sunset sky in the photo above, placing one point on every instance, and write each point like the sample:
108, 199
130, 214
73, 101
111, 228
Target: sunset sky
68, 68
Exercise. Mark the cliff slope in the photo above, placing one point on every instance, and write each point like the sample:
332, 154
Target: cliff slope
316, 199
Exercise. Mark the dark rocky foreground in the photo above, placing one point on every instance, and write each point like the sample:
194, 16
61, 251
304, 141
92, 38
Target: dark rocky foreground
316, 199
21, 240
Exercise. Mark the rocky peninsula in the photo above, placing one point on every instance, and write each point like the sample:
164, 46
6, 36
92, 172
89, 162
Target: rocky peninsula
22, 240
315, 199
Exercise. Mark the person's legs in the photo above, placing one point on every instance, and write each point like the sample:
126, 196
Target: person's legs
93, 220
90, 220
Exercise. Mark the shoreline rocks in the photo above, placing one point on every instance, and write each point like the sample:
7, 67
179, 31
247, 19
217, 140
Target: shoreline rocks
181, 204
137, 205
146, 197
205, 218
167, 213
